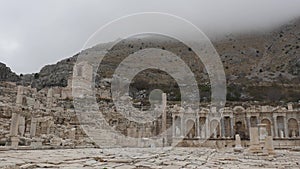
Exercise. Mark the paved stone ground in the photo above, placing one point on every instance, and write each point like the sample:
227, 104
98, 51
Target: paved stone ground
147, 158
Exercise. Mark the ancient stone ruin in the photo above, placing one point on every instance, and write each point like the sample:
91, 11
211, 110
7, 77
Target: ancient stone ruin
46, 118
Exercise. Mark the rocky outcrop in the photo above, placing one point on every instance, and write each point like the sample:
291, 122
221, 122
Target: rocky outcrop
7, 75
53, 75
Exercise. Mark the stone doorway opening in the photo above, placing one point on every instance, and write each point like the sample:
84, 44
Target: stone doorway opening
191, 129
268, 126
293, 128
280, 126
240, 129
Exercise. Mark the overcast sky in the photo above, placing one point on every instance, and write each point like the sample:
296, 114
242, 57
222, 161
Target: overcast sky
34, 33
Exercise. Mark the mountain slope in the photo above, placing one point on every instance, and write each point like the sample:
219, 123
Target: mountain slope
258, 66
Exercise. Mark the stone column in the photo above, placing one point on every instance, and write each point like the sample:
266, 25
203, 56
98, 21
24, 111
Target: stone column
22, 126
254, 141
33, 127
197, 127
174, 126
222, 125
19, 100
272, 129
275, 126
231, 127
207, 131
299, 129
248, 123
182, 130
269, 146
286, 130
14, 126
164, 114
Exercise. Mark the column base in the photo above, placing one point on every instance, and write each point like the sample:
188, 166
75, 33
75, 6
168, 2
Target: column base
36, 143
255, 149
238, 148
14, 141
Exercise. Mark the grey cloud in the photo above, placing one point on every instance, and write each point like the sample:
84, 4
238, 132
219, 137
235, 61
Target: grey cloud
34, 33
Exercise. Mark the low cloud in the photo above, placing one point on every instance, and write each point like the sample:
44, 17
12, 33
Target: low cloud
42, 32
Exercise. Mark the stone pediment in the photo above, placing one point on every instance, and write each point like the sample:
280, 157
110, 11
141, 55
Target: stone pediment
279, 109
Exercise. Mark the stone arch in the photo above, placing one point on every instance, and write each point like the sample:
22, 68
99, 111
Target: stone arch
293, 128
215, 128
239, 109
268, 126
191, 128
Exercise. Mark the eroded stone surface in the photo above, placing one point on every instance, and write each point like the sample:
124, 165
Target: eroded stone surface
126, 158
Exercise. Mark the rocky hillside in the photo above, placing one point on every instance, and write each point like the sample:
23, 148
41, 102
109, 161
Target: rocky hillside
261, 66
54, 75
50, 75
7, 75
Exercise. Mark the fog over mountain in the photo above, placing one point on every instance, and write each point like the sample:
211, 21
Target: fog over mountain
35, 33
